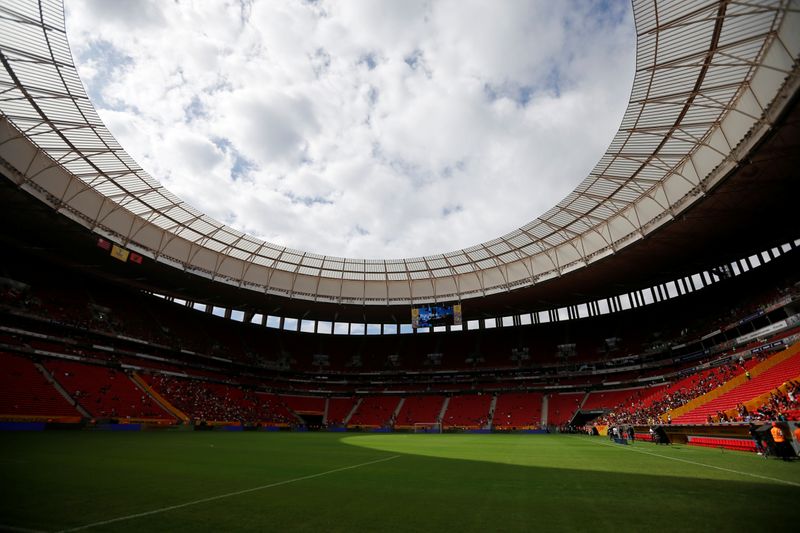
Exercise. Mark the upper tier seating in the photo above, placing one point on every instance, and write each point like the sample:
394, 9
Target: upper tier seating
112, 310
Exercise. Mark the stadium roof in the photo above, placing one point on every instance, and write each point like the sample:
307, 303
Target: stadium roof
710, 80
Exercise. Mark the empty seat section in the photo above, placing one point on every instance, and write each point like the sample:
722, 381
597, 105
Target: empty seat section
561, 407
338, 409
105, 392
468, 411
743, 445
374, 411
419, 410
312, 405
25, 391
609, 399
517, 410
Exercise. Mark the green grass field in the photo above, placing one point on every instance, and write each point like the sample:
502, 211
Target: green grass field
218, 481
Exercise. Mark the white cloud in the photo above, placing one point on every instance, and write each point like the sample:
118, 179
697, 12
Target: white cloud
363, 129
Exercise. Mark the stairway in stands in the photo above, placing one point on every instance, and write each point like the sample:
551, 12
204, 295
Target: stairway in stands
158, 398
26, 394
769, 379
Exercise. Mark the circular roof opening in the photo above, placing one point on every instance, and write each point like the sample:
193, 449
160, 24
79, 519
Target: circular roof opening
360, 130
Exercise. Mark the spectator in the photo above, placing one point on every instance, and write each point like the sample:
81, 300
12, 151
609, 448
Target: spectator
781, 444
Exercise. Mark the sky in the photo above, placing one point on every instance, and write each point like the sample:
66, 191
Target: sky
361, 128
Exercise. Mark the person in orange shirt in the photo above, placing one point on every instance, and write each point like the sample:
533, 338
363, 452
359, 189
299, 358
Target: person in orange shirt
797, 433
780, 442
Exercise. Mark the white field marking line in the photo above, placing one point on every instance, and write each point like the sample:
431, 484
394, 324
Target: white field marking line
792, 483
227, 495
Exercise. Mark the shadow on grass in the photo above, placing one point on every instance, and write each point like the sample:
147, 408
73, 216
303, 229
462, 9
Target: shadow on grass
105, 477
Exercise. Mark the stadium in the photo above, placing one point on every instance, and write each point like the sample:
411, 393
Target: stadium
629, 359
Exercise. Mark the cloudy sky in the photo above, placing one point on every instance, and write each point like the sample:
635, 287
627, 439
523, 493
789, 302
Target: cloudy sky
357, 127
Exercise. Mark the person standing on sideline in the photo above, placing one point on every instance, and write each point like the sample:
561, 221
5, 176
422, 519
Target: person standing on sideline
757, 438
780, 442
797, 434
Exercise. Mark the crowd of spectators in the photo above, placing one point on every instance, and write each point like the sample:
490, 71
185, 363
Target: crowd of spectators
641, 410
781, 405
216, 402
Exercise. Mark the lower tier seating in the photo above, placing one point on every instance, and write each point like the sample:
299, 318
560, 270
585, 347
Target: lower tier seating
517, 410
24, 391
562, 407
744, 445
765, 382
217, 402
468, 411
607, 399
105, 392
305, 404
338, 409
375, 411
419, 409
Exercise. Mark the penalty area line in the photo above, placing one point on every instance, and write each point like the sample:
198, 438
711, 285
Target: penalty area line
226, 495
750, 474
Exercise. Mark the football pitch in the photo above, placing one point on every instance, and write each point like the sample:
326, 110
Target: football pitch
234, 481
